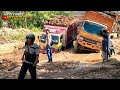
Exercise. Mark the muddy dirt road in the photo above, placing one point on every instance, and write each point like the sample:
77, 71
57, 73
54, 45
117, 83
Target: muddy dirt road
66, 65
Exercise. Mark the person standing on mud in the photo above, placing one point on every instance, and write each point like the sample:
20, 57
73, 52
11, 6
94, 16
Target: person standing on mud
104, 48
49, 45
106, 35
111, 45
30, 57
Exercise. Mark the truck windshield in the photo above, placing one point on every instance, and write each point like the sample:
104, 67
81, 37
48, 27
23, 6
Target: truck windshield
93, 28
55, 39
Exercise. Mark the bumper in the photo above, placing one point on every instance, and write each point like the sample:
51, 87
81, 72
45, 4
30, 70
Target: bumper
89, 45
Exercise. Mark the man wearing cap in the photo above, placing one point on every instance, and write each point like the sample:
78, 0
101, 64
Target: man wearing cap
30, 57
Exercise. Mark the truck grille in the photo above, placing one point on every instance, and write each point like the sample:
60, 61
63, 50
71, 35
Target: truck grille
89, 40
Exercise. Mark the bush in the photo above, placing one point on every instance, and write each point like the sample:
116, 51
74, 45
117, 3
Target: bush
37, 30
18, 36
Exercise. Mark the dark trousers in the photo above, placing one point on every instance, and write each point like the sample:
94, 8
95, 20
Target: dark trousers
49, 52
108, 53
24, 69
112, 51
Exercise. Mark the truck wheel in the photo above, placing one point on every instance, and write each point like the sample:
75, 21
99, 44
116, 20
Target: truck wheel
63, 48
59, 50
77, 50
76, 47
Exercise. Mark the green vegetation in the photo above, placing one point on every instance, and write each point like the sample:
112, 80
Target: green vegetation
17, 36
36, 19
37, 29
35, 22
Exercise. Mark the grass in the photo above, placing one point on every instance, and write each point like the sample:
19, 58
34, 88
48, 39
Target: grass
20, 35
37, 29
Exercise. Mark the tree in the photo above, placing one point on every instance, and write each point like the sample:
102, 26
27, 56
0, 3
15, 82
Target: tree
37, 18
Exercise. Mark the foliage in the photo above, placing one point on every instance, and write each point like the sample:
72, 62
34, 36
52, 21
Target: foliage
36, 19
37, 29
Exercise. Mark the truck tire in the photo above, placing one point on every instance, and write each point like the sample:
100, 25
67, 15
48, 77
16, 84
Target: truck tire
63, 48
59, 50
76, 47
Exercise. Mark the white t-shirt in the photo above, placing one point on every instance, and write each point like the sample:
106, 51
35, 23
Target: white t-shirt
48, 41
111, 43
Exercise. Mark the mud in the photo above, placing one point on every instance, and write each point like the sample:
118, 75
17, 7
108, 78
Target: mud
66, 65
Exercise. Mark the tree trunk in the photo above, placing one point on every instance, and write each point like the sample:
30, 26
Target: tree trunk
25, 20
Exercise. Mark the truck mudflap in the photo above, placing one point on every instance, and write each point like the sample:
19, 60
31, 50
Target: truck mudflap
89, 46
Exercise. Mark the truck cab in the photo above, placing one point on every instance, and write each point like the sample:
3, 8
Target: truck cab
90, 31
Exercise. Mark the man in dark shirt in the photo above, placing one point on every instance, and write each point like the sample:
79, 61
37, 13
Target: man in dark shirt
104, 48
30, 57
106, 35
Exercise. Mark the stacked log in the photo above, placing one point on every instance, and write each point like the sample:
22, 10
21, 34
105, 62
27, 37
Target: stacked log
61, 21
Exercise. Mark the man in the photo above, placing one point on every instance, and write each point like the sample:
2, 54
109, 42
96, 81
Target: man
111, 45
104, 48
106, 35
48, 45
30, 57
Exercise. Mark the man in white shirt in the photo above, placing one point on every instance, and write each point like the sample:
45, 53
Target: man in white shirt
48, 45
111, 45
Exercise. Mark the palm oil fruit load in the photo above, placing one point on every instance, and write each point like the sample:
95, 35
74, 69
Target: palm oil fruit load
61, 21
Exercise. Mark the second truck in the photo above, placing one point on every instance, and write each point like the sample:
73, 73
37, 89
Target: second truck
90, 28
63, 30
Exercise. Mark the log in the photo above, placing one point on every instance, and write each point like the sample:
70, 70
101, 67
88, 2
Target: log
61, 21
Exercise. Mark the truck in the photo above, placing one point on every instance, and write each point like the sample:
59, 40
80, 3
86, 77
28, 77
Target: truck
89, 32
63, 30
